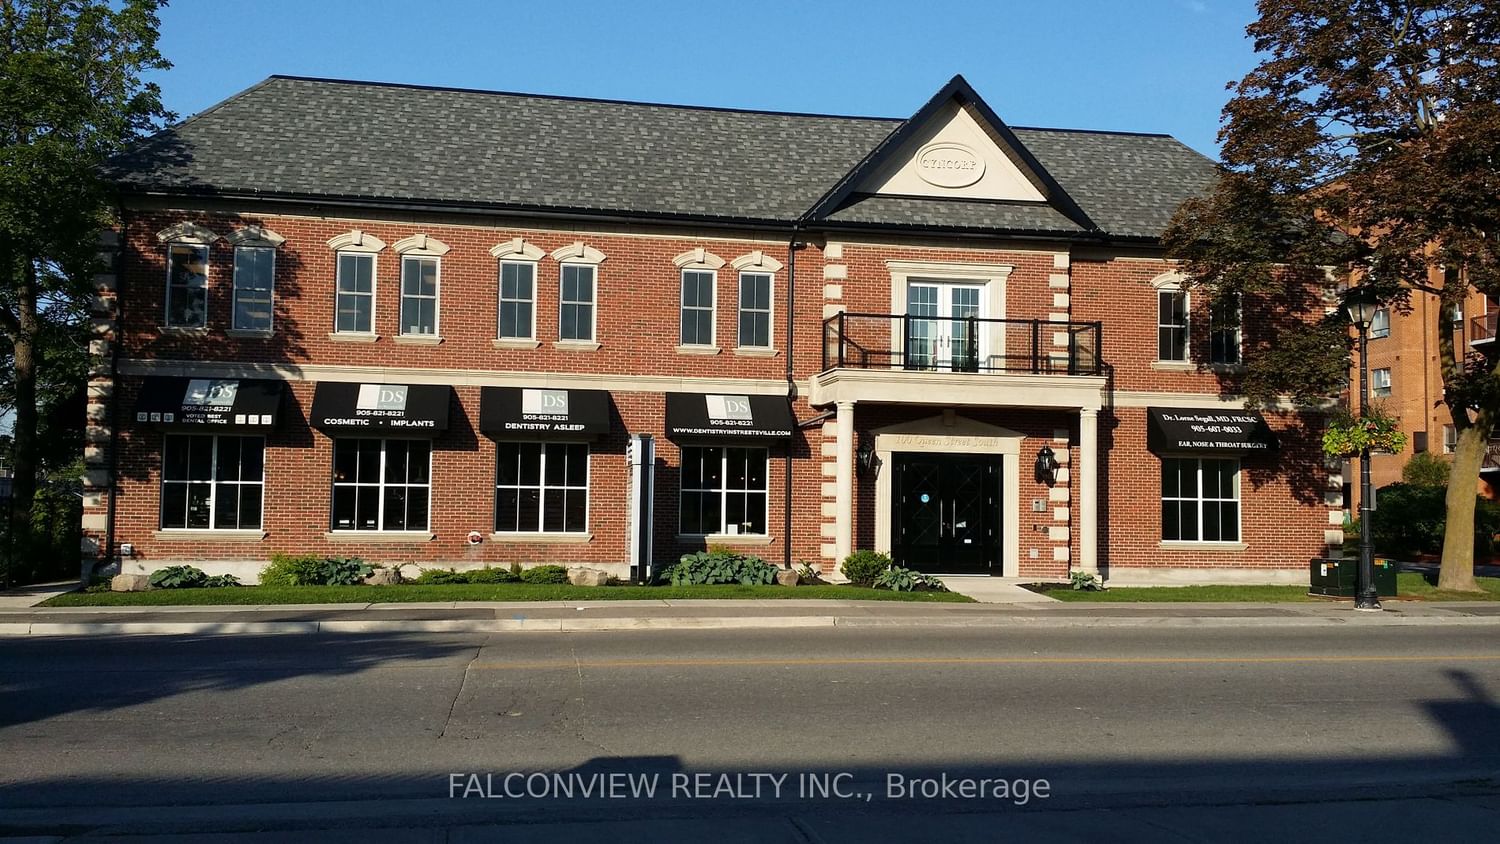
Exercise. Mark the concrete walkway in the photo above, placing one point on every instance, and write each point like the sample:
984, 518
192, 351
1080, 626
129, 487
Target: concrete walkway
29, 596
995, 590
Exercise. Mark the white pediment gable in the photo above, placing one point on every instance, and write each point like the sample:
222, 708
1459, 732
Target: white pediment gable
953, 157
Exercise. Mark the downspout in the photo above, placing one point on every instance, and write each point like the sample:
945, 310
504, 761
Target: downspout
791, 390
114, 392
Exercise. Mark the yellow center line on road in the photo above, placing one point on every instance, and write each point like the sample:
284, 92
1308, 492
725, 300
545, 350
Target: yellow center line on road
571, 665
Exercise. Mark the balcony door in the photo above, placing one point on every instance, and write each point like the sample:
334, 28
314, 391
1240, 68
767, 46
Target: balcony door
941, 328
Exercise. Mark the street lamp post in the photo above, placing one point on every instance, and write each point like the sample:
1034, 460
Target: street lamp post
1361, 304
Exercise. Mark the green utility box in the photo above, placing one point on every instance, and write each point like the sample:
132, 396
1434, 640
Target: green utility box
1339, 578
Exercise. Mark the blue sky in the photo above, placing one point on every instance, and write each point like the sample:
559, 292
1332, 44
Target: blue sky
1133, 65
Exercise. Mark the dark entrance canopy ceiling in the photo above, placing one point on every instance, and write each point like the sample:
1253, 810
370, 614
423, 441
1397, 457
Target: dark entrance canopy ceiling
1213, 430
350, 408
739, 417
521, 412
210, 403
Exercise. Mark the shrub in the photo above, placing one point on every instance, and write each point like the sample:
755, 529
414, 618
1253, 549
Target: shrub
863, 567
220, 581
291, 570
898, 579
1085, 581
1409, 520
807, 575
440, 577
703, 568
178, 577
493, 575
312, 570
1425, 469
545, 574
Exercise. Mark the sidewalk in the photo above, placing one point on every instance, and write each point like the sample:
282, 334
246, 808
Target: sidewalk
574, 616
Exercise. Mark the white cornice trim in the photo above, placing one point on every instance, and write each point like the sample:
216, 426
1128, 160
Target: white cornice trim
947, 269
186, 232
757, 260
1144, 398
615, 382
577, 253
517, 249
356, 240
255, 236
419, 245
698, 259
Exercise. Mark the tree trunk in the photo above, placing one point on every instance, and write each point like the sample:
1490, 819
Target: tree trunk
1457, 572
23, 484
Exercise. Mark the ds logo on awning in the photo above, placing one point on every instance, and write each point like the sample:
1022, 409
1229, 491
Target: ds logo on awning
381, 397
729, 408
544, 402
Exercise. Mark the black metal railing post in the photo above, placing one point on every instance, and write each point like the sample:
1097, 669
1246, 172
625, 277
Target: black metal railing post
1036, 346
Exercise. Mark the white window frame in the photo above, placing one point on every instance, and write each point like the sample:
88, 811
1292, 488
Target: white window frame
593, 302
770, 310
234, 303
213, 483
1450, 439
167, 305
338, 291
1376, 377
436, 297
1214, 327
1186, 327
1201, 498
1378, 330
723, 490
542, 487
501, 300
381, 485
713, 307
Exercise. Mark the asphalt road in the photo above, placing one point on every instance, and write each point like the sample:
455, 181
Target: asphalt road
1140, 734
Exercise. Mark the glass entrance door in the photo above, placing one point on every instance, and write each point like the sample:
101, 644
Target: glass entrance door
946, 512
941, 328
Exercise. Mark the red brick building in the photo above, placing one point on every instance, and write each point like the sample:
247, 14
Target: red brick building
424, 325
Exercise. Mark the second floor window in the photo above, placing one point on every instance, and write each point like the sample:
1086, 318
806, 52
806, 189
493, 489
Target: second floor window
697, 308
254, 274
576, 304
1380, 382
517, 300
755, 310
1380, 326
187, 286
1171, 325
419, 297
1224, 330
355, 300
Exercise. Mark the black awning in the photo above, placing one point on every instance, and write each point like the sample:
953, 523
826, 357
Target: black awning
522, 412
205, 404
691, 415
1175, 430
414, 409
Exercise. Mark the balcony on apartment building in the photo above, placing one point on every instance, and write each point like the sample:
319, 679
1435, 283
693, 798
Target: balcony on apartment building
1483, 328
923, 359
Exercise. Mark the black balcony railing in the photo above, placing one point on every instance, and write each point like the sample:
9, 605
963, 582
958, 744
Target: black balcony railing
961, 344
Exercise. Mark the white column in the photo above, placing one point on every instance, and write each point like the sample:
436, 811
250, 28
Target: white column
844, 477
1088, 490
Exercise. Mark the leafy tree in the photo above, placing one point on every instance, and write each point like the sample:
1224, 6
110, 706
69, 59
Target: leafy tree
1426, 470
1367, 138
71, 95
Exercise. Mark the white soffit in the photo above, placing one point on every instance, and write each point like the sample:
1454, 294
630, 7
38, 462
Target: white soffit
952, 157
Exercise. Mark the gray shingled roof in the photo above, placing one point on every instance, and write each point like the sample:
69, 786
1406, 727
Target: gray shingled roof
323, 138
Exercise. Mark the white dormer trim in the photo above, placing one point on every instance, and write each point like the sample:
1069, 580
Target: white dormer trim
517, 249
1169, 280
187, 233
698, 259
577, 253
756, 261
356, 241
255, 236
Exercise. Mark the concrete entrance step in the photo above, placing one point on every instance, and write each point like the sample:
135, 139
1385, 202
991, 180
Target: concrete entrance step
994, 590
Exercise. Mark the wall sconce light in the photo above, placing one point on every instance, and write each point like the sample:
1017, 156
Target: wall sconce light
1046, 466
865, 457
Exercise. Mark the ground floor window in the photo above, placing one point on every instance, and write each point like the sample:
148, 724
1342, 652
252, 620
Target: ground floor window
381, 484
723, 491
1200, 500
542, 488
212, 482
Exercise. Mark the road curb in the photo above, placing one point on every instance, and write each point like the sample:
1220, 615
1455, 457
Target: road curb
586, 625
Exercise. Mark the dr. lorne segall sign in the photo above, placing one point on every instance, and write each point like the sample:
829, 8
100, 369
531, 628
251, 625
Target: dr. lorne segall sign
1222, 431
